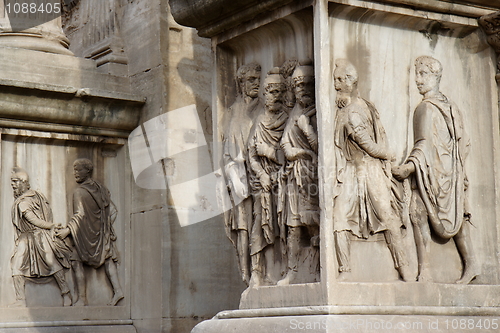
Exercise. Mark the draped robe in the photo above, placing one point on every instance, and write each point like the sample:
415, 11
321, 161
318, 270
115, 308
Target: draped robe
92, 225
440, 149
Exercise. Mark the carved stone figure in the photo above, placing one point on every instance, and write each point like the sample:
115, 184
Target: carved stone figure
436, 167
364, 202
92, 232
300, 204
38, 254
491, 26
266, 159
287, 70
235, 161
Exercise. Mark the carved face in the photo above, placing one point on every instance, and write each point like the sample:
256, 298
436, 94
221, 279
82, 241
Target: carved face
19, 185
343, 82
274, 96
426, 80
304, 90
81, 173
251, 83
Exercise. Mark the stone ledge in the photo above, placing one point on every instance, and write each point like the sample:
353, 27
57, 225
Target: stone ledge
72, 329
361, 310
351, 323
365, 295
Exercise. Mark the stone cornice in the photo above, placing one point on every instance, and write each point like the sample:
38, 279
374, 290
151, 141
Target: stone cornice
211, 17
57, 108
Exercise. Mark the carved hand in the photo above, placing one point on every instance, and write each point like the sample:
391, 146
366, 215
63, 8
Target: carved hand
403, 171
239, 188
265, 181
303, 123
63, 233
302, 154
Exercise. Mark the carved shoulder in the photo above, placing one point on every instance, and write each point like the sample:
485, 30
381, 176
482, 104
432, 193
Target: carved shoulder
423, 120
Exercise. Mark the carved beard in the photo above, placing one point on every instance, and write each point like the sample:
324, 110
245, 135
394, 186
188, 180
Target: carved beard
305, 100
273, 107
20, 191
343, 99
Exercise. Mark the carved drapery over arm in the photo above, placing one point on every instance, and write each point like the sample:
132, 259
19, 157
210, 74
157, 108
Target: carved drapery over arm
491, 26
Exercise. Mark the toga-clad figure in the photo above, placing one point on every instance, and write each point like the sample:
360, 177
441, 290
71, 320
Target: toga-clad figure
299, 210
38, 253
266, 160
364, 200
239, 121
91, 229
436, 166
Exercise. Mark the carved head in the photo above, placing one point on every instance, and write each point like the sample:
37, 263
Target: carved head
274, 89
82, 169
345, 78
286, 71
248, 80
19, 180
428, 73
303, 78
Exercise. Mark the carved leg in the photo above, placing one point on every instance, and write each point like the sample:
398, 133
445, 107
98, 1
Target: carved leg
63, 285
314, 232
422, 232
256, 278
293, 246
19, 286
394, 242
80, 283
343, 251
269, 264
464, 247
243, 255
112, 274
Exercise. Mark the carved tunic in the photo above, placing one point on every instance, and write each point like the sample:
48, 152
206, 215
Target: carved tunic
235, 156
38, 252
364, 201
440, 149
265, 156
301, 203
91, 225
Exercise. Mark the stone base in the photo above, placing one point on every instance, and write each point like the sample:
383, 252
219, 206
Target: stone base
352, 324
72, 329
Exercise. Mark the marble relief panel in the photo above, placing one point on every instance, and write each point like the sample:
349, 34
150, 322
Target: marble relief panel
418, 83
269, 151
64, 226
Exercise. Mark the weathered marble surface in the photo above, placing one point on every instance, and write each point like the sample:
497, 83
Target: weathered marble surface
381, 39
350, 323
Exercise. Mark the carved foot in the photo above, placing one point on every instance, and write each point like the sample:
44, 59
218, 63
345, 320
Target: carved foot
20, 303
344, 276
268, 280
315, 241
245, 277
288, 279
424, 273
255, 280
470, 273
424, 277
82, 301
67, 300
406, 274
116, 298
